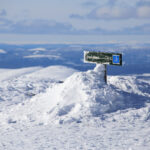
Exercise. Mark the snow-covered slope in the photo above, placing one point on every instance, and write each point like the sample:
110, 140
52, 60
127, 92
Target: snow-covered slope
7, 74
82, 112
18, 85
82, 96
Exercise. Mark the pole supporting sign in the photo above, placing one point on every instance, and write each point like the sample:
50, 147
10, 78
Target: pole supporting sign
103, 58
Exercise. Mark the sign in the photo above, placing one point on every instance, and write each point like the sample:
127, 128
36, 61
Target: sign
116, 59
103, 58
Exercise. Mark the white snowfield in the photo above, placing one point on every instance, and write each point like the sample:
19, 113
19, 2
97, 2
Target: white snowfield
38, 49
58, 108
43, 56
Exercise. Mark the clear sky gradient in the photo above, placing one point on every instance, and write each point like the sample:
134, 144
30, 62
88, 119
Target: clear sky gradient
79, 21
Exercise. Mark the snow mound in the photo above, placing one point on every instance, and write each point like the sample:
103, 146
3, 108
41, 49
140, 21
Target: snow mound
85, 94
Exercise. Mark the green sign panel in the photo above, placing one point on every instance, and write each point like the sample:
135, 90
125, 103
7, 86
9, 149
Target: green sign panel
103, 58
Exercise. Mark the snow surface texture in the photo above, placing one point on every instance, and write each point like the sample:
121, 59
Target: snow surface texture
18, 85
84, 95
76, 112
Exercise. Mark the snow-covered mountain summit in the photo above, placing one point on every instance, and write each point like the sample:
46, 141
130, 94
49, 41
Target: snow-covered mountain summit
85, 94
47, 108
82, 95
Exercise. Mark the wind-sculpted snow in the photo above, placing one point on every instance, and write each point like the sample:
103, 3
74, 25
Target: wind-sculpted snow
135, 89
74, 112
82, 96
85, 94
19, 85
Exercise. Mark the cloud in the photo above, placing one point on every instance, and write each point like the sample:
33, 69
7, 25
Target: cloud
113, 11
112, 2
143, 3
3, 13
41, 27
52, 27
35, 27
143, 11
76, 16
89, 3
5, 25
143, 29
137, 30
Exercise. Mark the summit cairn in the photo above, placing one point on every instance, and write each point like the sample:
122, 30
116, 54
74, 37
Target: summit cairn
104, 59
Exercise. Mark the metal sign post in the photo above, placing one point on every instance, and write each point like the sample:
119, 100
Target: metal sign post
103, 58
105, 75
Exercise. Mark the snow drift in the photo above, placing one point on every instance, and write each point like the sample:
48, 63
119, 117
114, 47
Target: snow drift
82, 95
85, 94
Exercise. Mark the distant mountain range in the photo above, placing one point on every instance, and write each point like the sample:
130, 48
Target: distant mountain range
136, 58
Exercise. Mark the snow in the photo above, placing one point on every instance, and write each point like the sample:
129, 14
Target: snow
72, 110
43, 56
17, 85
38, 49
7, 74
53, 72
2, 51
85, 94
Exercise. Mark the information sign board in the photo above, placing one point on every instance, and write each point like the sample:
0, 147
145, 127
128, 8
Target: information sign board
103, 58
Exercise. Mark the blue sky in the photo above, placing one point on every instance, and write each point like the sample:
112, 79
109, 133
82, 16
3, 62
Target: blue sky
34, 20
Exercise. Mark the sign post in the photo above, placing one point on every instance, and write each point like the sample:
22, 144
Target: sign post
105, 75
103, 58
